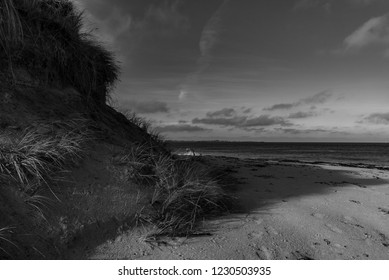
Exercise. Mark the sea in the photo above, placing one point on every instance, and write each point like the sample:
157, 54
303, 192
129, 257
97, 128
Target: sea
365, 154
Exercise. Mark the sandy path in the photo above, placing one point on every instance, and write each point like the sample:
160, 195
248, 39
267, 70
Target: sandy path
291, 211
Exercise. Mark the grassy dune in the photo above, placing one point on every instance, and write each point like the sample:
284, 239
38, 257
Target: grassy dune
45, 37
71, 167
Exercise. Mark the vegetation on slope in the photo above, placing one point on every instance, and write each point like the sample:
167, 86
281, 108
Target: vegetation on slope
42, 141
45, 37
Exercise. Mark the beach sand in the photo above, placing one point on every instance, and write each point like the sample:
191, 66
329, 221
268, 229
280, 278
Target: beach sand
286, 211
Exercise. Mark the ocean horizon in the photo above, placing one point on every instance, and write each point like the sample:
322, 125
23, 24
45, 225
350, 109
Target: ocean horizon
374, 154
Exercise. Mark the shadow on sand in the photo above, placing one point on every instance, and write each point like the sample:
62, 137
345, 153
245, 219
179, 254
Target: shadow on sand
256, 186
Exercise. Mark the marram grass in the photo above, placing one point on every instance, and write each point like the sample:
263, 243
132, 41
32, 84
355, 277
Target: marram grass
46, 38
184, 192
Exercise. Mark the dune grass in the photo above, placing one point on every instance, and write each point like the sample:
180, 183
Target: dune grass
30, 161
155, 138
46, 38
184, 192
32, 157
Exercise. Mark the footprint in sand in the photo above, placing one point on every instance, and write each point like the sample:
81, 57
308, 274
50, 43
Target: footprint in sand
384, 240
384, 210
355, 201
334, 228
351, 221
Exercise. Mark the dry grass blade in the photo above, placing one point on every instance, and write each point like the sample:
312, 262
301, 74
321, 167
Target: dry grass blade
38, 203
4, 232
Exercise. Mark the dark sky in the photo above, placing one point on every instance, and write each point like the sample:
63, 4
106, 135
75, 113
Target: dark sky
280, 70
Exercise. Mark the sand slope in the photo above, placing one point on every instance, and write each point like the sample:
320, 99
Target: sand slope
287, 211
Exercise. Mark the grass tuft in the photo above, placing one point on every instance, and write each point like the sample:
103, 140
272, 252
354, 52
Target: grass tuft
184, 193
155, 138
33, 156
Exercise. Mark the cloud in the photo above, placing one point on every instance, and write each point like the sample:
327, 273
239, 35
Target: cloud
242, 121
181, 128
226, 112
210, 34
234, 121
316, 99
146, 107
183, 95
303, 131
376, 118
374, 32
281, 106
302, 115
209, 38
265, 120
247, 110
239, 119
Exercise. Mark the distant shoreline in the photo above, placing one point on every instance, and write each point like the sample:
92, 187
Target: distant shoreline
290, 161
271, 142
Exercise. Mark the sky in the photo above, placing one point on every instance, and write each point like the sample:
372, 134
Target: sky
251, 70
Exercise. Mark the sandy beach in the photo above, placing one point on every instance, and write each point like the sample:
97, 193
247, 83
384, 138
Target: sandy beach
286, 211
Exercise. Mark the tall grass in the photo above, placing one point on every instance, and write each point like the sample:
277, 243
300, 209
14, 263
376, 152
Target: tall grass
45, 37
154, 137
184, 192
31, 157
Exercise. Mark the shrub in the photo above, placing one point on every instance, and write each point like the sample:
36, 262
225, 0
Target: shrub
46, 38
